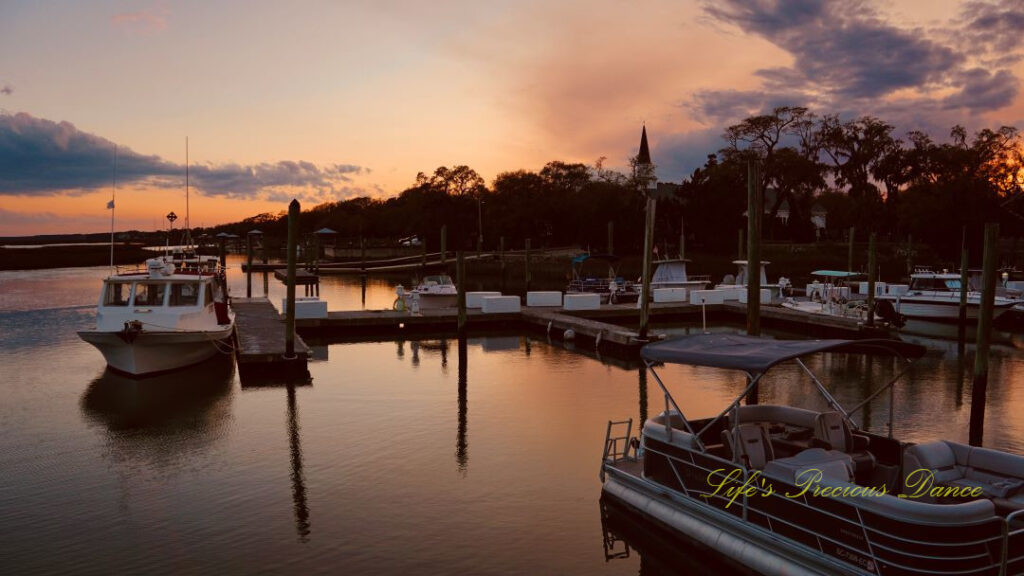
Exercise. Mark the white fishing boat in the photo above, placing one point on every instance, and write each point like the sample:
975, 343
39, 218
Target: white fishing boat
830, 295
671, 273
162, 318
935, 296
779, 289
783, 490
433, 292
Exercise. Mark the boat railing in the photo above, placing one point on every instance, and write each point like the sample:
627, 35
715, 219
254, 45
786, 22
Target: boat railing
752, 489
616, 448
699, 277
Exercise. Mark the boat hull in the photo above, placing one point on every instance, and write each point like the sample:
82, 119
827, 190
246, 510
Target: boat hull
152, 352
432, 301
942, 311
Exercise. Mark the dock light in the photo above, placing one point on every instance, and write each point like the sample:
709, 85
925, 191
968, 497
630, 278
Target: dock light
401, 324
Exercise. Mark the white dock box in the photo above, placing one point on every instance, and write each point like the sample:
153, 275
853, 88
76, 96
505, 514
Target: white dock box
543, 298
766, 296
582, 302
707, 296
731, 292
898, 289
476, 299
879, 288
500, 304
307, 307
670, 294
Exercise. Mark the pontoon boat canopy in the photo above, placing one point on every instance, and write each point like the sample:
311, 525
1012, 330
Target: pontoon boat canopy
835, 274
756, 355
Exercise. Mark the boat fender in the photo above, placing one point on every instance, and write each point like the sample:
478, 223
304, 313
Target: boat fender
569, 334
597, 341
549, 327
399, 304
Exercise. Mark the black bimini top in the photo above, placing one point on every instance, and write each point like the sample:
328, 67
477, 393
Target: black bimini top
757, 355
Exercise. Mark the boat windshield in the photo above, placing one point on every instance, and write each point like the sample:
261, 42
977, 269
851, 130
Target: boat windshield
933, 283
437, 280
184, 294
117, 294
150, 294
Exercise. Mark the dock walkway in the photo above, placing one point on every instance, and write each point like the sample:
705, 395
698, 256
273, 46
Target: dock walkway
259, 330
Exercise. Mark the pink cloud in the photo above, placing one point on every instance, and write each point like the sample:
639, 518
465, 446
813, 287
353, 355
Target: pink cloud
143, 21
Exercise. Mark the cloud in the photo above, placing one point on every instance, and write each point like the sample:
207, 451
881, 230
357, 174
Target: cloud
7, 90
39, 157
143, 21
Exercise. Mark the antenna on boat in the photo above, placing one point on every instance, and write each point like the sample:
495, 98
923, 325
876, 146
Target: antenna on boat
110, 205
188, 223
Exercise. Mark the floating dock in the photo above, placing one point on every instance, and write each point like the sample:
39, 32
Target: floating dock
260, 337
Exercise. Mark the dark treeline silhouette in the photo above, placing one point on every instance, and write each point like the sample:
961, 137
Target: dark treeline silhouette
857, 170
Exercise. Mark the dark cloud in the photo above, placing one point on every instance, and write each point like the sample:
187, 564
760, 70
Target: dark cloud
993, 27
718, 106
7, 90
40, 157
983, 90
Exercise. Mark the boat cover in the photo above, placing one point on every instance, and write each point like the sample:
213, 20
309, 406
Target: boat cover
835, 274
757, 355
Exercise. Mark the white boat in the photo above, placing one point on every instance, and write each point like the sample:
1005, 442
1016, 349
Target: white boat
779, 289
829, 295
671, 273
162, 318
433, 292
782, 490
936, 296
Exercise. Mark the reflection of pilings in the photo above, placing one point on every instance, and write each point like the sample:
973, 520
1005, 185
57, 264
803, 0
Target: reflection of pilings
642, 393
866, 380
362, 288
401, 348
415, 347
298, 481
461, 443
266, 284
444, 353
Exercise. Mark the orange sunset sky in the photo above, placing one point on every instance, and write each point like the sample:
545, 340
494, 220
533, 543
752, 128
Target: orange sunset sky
329, 100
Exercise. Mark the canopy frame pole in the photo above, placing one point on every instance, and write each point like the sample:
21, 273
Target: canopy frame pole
824, 391
670, 399
883, 389
753, 382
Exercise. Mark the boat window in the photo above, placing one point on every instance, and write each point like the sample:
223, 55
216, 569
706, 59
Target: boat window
953, 284
208, 295
117, 294
184, 294
149, 294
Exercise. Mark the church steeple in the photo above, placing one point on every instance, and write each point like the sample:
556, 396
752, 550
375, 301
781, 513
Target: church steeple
644, 157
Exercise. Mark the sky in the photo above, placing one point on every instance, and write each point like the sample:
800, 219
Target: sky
328, 100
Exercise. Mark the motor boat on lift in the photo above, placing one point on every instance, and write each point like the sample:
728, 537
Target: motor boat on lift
783, 490
437, 291
162, 318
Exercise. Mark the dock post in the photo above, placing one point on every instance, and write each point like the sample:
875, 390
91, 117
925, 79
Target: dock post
223, 253
984, 337
501, 260
849, 258
962, 318
527, 274
754, 209
460, 283
910, 253
611, 237
248, 266
444, 244
423, 253
289, 319
739, 245
362, 254
682, 237
871, 280
645, 286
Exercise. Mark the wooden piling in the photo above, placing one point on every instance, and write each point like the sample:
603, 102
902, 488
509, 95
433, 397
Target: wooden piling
248, 265
739, 245
460, 283
223, 253
872, 277
289, 322
754, 210
984, 337
682, 238
910, 254
444, 244
645, 292
362, 254
849, 257
962, 319
527, 273
611, 237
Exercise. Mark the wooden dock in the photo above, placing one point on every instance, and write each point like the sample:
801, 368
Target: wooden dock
260, 336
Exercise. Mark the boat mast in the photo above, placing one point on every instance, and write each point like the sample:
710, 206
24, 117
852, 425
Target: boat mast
188, 224
110, 205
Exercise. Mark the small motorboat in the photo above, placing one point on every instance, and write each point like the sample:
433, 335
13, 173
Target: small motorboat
780, 289
671, 273
433, 292
935, 296
162, 318
612, 288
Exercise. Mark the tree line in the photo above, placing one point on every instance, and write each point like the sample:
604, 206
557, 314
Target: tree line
858, 170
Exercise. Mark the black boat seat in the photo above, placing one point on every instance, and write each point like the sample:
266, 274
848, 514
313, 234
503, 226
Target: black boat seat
833, 433
754, 447
804, 467
999, 475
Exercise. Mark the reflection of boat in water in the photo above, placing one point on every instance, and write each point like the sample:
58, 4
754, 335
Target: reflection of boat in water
612, 289
433, 292
185, 398
163, 318
785, 490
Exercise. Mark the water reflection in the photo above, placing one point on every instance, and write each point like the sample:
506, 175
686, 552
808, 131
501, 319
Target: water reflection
461, 441
189, 402
302, 524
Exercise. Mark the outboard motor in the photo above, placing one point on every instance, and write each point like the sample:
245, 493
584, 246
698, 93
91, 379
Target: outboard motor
887, 311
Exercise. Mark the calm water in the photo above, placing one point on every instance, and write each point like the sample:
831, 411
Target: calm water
418, 457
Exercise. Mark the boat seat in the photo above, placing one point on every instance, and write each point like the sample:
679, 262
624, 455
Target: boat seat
999, 475
832, 432
833, 465
755, 447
